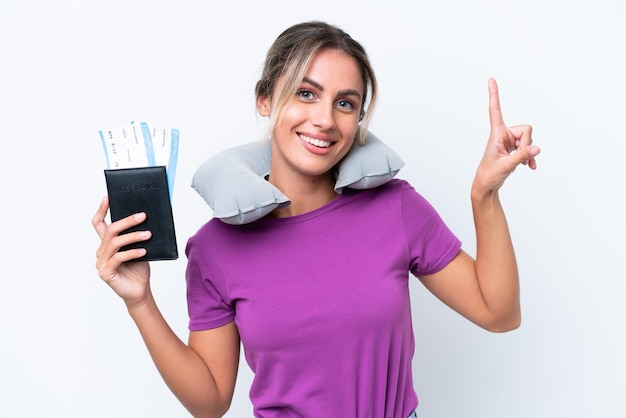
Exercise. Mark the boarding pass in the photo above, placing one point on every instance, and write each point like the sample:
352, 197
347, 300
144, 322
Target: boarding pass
141, 145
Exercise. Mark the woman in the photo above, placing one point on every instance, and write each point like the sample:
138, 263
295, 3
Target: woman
317, 292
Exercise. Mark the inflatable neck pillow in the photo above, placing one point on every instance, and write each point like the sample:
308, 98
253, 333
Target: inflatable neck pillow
233, 183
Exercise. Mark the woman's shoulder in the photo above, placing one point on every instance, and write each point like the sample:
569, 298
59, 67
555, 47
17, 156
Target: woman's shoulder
392, 194
396, 193
395, 186
211, 230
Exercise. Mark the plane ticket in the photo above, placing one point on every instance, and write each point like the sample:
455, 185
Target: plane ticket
141, 145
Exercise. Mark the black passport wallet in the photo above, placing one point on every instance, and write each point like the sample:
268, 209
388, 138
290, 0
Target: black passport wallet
144, 189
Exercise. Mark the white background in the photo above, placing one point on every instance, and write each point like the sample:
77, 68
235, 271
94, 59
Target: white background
70, 68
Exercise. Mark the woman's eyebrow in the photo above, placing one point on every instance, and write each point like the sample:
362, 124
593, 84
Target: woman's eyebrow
347, 92
313, 83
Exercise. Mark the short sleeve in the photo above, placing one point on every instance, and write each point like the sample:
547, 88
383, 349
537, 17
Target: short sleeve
206, 300
431, 244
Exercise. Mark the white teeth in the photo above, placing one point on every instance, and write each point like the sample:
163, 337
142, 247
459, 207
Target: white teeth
316, 142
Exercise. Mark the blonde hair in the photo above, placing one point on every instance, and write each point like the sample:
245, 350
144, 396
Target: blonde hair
290, 56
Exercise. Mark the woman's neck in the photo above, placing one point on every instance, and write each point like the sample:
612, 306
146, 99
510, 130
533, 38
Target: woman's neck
306, 193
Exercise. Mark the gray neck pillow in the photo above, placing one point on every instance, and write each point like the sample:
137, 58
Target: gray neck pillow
233, 183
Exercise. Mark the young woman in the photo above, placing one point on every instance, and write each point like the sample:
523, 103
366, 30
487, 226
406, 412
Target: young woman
317, 292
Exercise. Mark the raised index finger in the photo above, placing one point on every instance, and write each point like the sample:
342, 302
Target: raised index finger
495, 113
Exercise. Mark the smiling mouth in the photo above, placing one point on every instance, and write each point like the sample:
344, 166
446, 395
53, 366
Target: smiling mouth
317, 142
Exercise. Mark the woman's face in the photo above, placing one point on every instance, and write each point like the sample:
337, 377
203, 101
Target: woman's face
316, 127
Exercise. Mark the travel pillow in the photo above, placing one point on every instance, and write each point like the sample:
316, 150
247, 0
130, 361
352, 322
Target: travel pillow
233, 183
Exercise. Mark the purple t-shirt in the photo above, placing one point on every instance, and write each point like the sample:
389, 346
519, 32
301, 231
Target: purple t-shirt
321, 300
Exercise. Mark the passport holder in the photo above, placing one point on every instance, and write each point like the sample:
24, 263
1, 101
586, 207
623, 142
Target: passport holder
144, 189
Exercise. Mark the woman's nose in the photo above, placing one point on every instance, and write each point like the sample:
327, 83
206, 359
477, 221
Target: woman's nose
323, 116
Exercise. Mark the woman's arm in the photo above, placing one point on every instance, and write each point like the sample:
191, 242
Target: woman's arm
201, 374
486, 290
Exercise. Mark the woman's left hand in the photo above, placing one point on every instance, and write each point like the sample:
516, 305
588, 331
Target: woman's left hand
507, 148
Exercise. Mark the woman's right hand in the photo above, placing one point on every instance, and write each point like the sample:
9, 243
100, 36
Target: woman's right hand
131, 281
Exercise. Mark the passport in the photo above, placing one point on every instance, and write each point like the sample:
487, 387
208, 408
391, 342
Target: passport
144, 189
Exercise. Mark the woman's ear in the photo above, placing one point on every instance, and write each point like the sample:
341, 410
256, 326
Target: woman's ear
263, 105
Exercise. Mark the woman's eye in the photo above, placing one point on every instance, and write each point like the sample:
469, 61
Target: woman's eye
305, 94
345, 104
